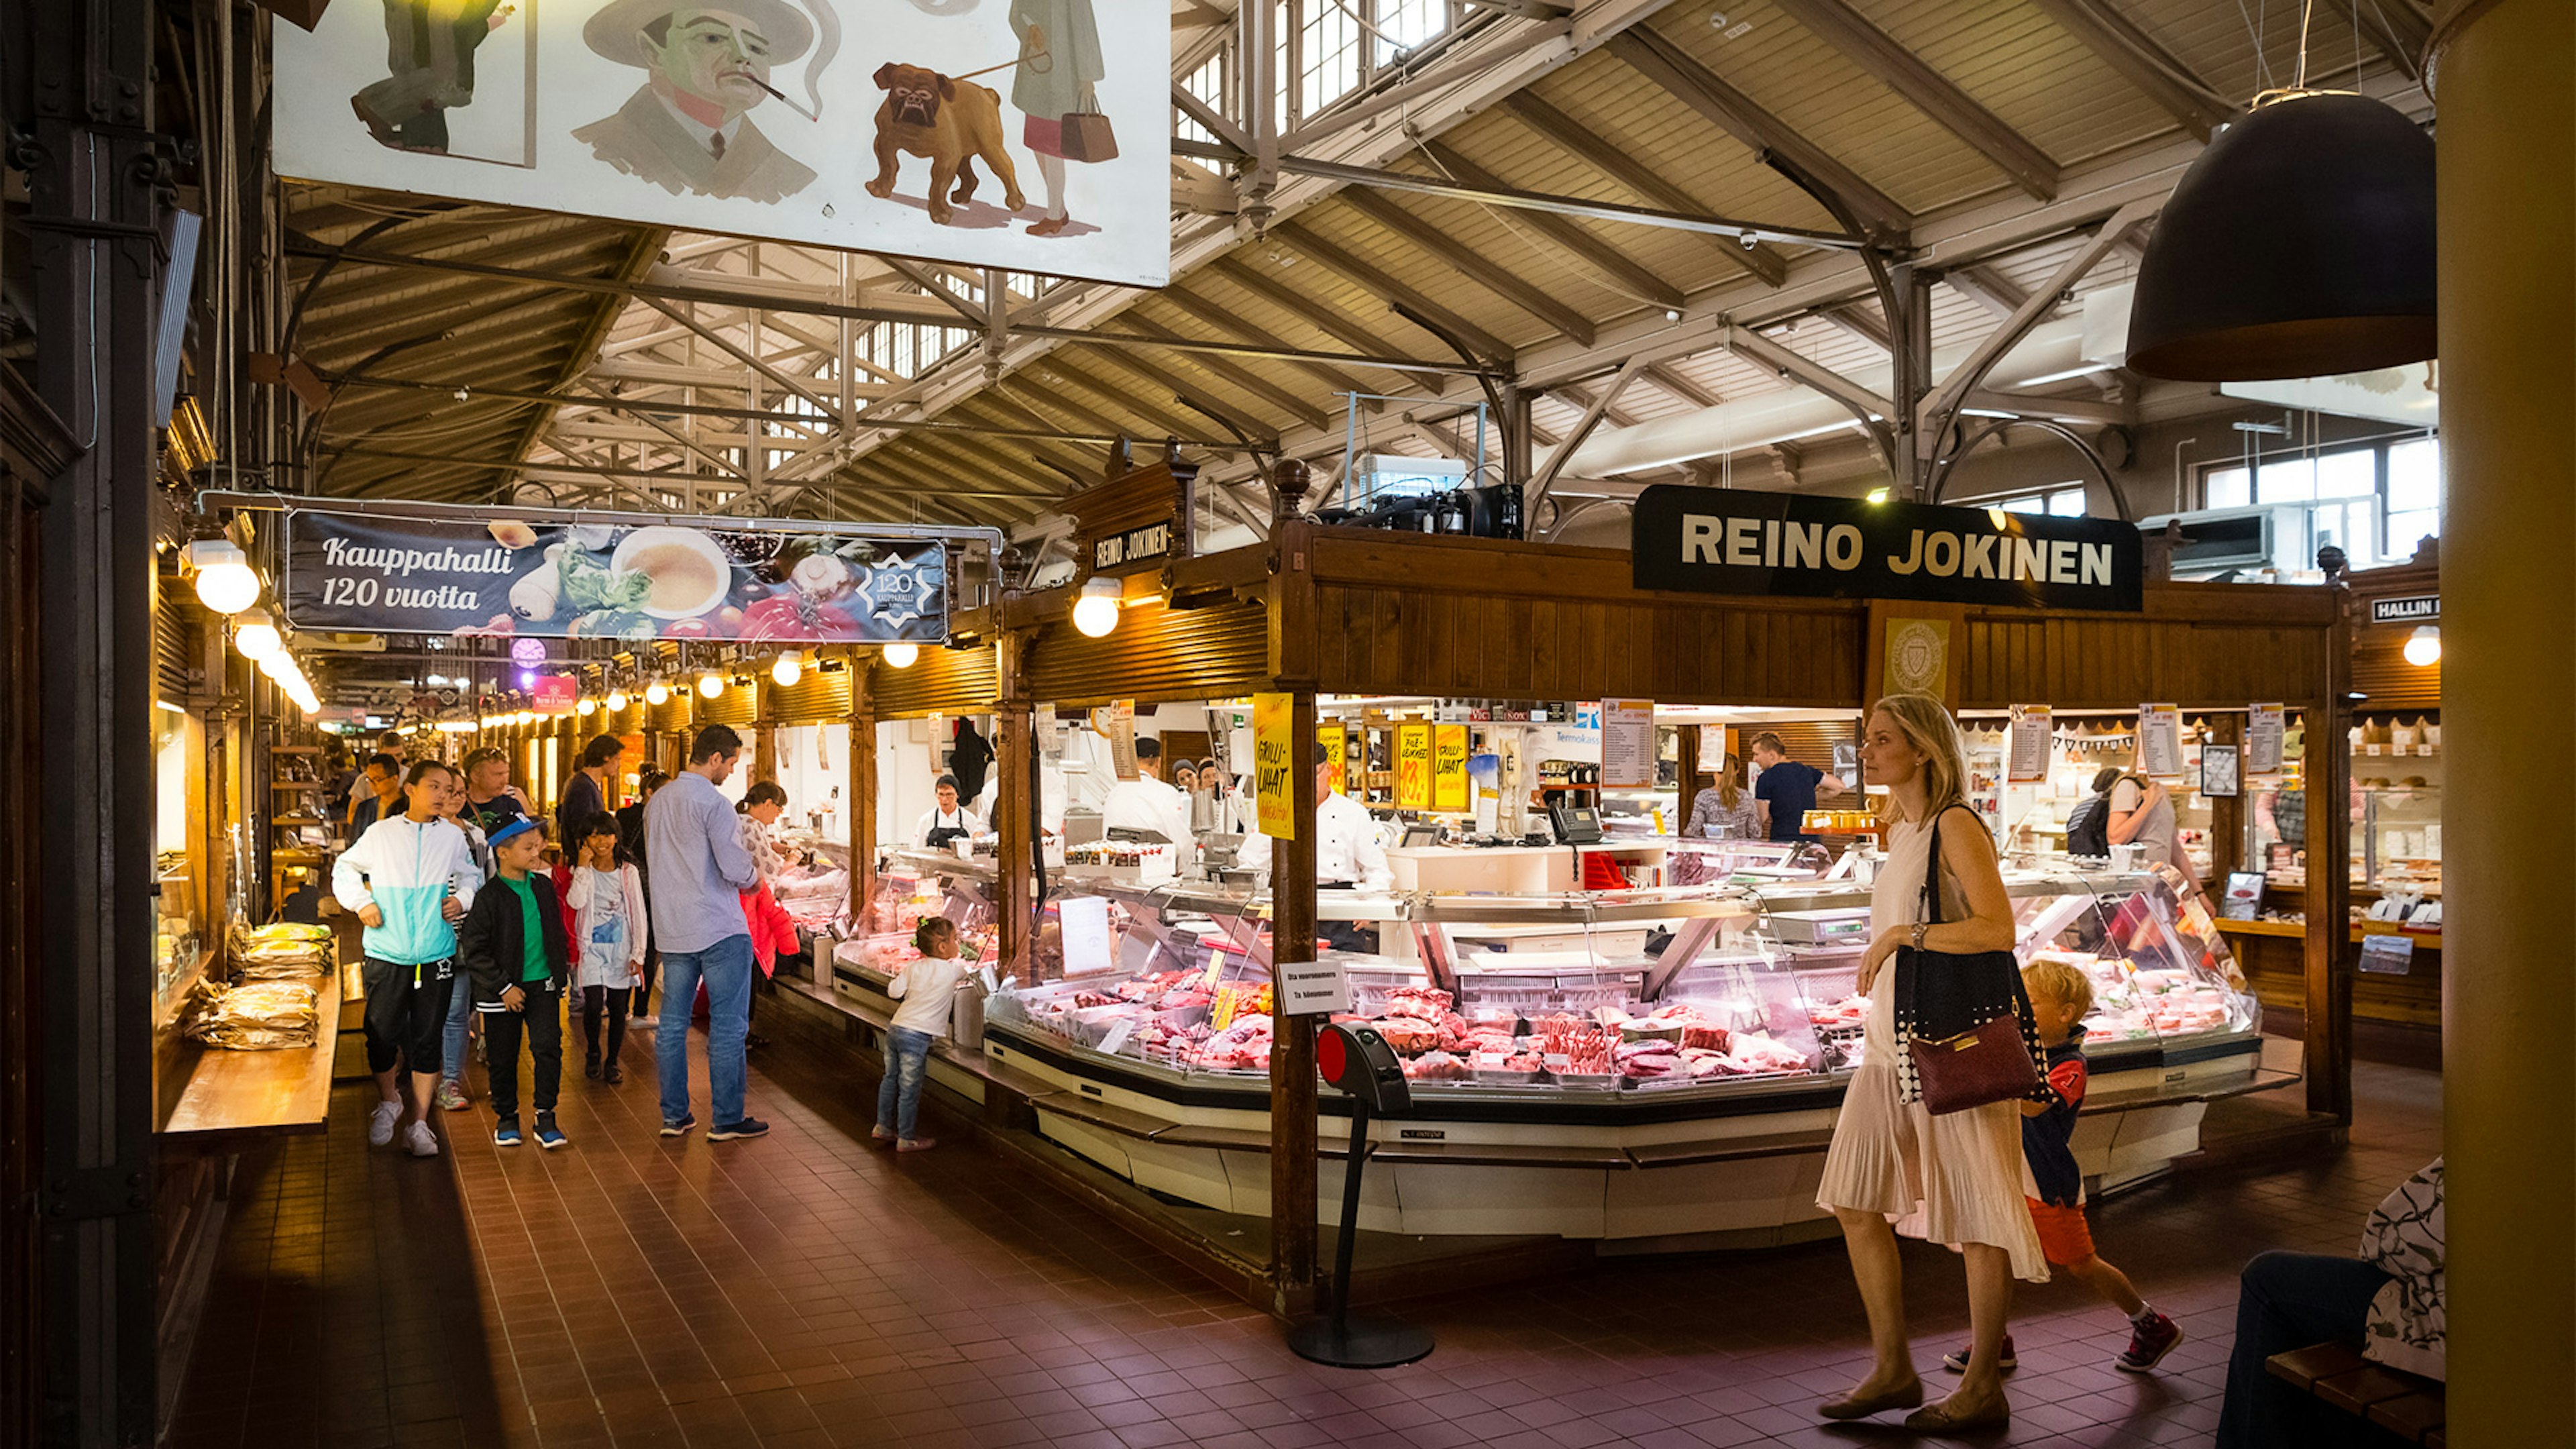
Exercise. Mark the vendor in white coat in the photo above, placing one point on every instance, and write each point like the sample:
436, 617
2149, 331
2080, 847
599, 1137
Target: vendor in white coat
1146, 803
1348, 856
946, 821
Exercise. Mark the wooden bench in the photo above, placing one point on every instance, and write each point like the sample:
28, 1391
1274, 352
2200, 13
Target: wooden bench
2404, 1404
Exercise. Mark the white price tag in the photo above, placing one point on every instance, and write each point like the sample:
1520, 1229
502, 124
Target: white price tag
1086, 934
1308, 988
1119, 1031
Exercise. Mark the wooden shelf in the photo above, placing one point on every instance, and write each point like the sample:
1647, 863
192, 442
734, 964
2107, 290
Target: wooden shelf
2296, 930
258, 1093
2263, 928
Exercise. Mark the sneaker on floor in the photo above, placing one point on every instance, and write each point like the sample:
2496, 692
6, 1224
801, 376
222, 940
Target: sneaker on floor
642, 1023
2149, 1342
507, 1133
451, 1096
420, 1140
612, 1074
882, 1134
380, 1123
547, 1136
747, 1127
590, 1069
1957, 1361
916, 1144
681, 1127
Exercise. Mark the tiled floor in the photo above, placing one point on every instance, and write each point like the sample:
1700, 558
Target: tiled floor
807, 1290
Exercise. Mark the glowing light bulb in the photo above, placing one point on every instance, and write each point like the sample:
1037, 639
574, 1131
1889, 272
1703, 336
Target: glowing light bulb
787, 670
2424, 646
1096, 612
710, 684
255, 637
617, 700
900, 656
657, 693
586, 706
225, 582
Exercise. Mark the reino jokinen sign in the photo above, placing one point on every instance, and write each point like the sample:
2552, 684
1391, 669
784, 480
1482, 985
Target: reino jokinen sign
1730, 541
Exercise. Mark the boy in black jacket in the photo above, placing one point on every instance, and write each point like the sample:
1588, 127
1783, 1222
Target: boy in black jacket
515, 953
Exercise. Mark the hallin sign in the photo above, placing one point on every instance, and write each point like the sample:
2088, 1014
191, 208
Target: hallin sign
556, 576
1731, 541
1024, 134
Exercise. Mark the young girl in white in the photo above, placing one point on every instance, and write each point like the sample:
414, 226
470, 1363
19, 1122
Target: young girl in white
607, 900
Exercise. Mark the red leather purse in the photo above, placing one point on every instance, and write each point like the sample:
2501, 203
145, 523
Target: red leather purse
1988, 1048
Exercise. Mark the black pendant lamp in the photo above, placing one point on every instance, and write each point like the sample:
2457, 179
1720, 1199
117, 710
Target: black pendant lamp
2300, 244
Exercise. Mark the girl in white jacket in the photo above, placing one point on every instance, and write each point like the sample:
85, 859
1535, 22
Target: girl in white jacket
607, 901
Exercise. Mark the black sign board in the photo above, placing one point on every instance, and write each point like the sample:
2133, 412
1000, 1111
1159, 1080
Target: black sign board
1730, 541
1148, 543
2411, 609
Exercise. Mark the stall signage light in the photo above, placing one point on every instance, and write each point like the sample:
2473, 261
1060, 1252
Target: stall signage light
1735, 541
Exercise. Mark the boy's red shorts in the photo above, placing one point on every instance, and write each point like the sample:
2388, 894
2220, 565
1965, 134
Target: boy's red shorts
2064, 1237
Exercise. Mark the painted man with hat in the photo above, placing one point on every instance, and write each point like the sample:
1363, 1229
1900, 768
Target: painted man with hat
686, 128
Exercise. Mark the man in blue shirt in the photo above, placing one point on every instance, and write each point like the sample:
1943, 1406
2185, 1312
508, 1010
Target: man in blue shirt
700, 871
1786, 790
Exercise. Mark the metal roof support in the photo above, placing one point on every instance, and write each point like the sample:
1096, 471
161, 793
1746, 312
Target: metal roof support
1564, 132
1872, 410
1927, 90
1850, 318
1591, 251
1667, 65
1938, 409
1397, 294
2118, 42
747, 357
1664, 376
1484, 271
1225, 319
1436, 79
1324, 318
1582, 396
1206, 115
1592, 415
1242, 378
1987, 288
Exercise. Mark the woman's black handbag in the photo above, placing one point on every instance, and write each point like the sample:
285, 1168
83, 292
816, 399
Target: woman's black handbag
1963, 1021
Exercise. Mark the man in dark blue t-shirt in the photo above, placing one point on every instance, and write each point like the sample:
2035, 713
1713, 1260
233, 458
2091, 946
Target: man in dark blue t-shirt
1786, 790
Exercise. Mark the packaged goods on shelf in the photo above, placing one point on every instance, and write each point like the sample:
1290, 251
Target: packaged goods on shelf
281, 952
256, 1016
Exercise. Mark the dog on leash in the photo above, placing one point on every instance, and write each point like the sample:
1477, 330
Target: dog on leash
950, 122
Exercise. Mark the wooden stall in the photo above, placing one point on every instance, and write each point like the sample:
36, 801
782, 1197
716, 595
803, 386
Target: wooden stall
1326, 610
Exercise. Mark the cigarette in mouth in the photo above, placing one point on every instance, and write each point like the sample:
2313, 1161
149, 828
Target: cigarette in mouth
782, 98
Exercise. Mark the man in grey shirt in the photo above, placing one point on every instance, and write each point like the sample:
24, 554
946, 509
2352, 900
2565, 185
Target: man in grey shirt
699, 873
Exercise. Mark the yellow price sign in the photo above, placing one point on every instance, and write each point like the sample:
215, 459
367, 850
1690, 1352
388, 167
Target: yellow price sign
1274, 794
1449, 768
1330, 741
1413, 767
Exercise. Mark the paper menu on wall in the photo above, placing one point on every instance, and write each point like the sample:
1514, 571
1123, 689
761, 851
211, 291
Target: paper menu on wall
1628, 744
2160, 741
2027, 746
2263, 732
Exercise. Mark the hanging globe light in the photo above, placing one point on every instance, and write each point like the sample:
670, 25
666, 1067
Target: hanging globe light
2299, 244
657, 693
787, 670
255, 637
1096, 612
2424, 646
901, 656
710, 684
225, 582
617, 700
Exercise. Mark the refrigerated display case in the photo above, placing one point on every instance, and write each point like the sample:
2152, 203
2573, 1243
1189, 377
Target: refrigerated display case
1707, 1027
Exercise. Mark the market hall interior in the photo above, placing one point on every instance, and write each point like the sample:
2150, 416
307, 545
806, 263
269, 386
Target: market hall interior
1245, 759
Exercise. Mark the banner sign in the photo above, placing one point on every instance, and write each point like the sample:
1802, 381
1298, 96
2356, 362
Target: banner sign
1030, 135
1801, 545
1274, 792
1329, 744
556, 693
2413, 609
1449, 767
530, 574
1413, 767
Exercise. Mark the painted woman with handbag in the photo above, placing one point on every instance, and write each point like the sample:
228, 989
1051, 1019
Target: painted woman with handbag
1060, 64
1928, 1143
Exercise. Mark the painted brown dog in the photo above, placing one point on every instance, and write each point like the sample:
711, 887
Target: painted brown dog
927, 114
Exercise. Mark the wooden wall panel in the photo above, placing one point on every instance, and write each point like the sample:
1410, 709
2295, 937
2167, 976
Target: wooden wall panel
940, 681
1156, 653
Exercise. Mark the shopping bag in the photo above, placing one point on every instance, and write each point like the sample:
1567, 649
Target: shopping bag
1086, 137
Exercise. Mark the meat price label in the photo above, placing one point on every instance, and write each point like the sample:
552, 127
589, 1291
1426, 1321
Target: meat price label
1310, 987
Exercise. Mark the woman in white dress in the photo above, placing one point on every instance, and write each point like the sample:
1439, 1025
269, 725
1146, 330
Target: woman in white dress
1895, 1168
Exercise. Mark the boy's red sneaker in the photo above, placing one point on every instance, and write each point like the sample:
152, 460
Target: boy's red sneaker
2149, 1342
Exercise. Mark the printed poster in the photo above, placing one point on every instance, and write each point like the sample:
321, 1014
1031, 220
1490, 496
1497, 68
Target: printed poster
548, 574
1274, 789
2160, 741
2264, 725
1449, 768
1628, 744
1413, 766
1024, 134
2026, 745
1118, 723
1330, 741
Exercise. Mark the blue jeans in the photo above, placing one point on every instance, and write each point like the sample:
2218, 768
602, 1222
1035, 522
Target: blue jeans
726, 969
899, 1095
2287, 1301
460, 1014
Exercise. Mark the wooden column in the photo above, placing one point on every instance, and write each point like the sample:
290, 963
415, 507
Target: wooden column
2328, 771
1014, 806
2226, 813
863, 785
1292, 1050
